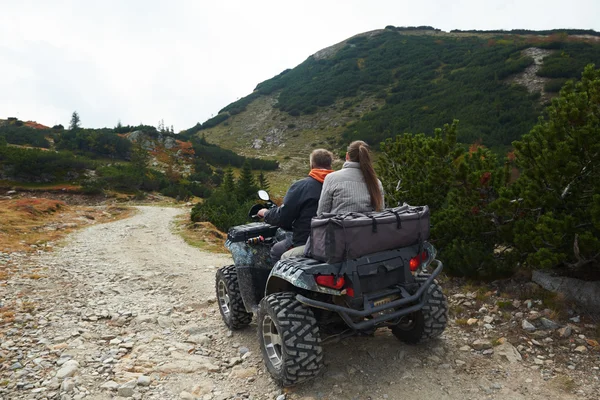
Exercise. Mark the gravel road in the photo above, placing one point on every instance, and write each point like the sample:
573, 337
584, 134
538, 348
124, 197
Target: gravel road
128, 309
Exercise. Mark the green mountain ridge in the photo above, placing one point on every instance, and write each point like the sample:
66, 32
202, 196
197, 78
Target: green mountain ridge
381, 83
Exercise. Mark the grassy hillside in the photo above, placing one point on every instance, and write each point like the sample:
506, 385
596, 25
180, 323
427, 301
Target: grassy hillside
386, 82
130, 159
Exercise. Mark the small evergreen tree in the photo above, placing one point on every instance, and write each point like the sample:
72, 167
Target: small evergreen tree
229, 182
417, 169
75, 121
262, 181
139, 159
246, 186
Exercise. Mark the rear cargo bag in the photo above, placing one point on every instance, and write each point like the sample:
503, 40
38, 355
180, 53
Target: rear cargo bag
336, 238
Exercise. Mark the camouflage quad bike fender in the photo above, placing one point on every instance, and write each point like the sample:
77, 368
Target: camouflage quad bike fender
286, 274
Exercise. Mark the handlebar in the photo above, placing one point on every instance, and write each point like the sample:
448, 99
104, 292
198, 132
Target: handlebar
252, 214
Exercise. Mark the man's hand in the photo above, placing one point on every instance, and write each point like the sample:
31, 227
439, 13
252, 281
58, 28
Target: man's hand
261, 212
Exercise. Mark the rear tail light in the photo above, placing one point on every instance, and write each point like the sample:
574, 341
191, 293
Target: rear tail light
417, 260
330, 281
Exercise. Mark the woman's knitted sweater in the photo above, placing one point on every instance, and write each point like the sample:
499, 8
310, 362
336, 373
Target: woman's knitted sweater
346, 191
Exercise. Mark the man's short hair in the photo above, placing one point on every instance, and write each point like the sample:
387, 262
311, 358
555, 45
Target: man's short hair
321, 158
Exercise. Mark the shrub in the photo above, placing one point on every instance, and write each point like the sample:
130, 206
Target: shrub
459, 187
554, 85
41, 166
23, 135
555, 203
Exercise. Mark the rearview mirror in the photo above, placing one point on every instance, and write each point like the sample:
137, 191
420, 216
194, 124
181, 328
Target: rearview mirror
263, 195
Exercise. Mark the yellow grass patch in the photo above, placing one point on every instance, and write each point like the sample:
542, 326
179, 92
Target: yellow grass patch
28, 227
203, 235
31, 224
6, 315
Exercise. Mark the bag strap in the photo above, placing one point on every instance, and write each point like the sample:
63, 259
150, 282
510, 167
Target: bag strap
373, 223
398, 220
419, 214
346, 247
349, 215
329, 238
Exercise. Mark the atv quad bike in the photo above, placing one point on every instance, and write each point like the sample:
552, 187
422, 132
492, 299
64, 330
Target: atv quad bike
302, 302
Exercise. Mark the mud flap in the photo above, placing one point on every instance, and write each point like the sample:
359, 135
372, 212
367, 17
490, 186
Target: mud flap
252, 282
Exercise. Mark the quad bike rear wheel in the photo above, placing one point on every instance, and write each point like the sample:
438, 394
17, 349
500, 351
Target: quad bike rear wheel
230, 300
427, 323
289, 339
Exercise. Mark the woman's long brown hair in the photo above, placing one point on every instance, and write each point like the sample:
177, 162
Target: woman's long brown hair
358, 151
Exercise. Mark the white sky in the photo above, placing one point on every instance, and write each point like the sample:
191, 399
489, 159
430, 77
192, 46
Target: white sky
140, 61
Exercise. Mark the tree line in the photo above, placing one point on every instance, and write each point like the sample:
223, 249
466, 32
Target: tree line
228, 205
104, 160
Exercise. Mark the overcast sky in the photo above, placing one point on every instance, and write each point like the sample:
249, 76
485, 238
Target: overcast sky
140, 61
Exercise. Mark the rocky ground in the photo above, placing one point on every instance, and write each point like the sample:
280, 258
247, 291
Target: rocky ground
127, 310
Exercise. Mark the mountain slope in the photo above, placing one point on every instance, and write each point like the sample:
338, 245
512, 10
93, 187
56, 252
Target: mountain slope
386, 82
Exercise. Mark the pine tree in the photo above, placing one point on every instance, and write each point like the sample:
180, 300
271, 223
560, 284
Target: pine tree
228, 184
418, 169
246, 186
75, 121
139, 158
262, 182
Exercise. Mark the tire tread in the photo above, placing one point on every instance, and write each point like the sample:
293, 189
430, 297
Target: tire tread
302, 354
239, 317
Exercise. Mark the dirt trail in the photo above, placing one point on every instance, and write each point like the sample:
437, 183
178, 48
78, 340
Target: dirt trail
128, 309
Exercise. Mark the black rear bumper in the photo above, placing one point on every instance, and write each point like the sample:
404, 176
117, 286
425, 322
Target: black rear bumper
410, 304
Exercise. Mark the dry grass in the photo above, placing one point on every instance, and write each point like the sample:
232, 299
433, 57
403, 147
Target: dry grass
22, 220
32, 224
7, 316
565, 383
556, 302
28, 224
34, 276
28, 306
41, 187
504, 304
203, 235
456, 310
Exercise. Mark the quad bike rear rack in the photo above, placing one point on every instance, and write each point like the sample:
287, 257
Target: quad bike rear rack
419, 298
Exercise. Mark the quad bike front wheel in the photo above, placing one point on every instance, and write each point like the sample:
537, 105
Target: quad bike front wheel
230, 300
427, 323
289, 339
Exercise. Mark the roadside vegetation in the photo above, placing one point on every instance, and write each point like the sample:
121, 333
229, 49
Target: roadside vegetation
537, 208
30, 223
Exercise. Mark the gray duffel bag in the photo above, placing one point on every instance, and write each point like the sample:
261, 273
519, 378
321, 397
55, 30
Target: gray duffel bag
335, 238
